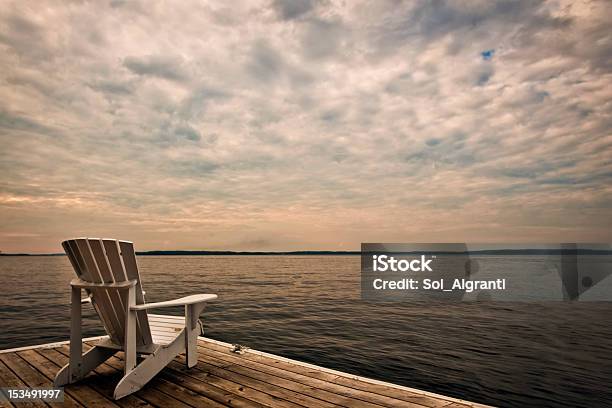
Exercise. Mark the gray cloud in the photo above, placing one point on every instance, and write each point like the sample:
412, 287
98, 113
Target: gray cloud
25, 37
109, 86
166, 67
188, 133
195, 103
322, 38
266, 64
12, 122
291, 9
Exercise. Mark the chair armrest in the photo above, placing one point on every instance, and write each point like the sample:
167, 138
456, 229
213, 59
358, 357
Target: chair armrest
81, 284
187, 300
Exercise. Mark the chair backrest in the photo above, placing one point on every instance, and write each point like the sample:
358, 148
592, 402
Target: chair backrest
109, 261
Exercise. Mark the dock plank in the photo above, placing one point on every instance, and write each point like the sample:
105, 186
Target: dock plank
260, 393
80, 391
13, 381
270, 398
49, 369
218, 394
3, 403
33, 378
404, 395
221, 378
298, 392
196, 395
187, 395
314, 383
276, 394
154, 396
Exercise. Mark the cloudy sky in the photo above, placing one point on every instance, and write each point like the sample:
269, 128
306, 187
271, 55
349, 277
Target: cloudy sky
280, 125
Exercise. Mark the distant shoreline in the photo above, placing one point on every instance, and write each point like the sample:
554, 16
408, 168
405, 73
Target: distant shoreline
558, 251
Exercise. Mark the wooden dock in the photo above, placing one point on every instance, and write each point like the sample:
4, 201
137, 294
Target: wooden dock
222, 378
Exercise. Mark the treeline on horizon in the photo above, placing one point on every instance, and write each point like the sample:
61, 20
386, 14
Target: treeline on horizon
526, 251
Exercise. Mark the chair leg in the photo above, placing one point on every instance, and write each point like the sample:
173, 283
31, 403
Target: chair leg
88, 361
192, 329
191, 336
73, 370
130, 332
135, 379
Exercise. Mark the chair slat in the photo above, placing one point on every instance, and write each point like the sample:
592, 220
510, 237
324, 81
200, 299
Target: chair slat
115, 297
111, 247
101, 262
131, 271
114, 259
165, 328
74, 255
72, 258
166, 319
102, 296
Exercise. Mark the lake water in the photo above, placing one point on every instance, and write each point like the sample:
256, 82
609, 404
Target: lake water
308, 308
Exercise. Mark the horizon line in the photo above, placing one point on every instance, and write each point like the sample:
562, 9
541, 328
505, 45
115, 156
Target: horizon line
497, 251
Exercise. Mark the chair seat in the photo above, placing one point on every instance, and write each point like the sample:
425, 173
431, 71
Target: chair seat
165, 328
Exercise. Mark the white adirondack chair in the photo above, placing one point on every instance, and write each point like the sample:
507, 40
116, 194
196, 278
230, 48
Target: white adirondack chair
106, 269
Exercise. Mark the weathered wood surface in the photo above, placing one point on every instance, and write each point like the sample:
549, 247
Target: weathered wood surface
221, 378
